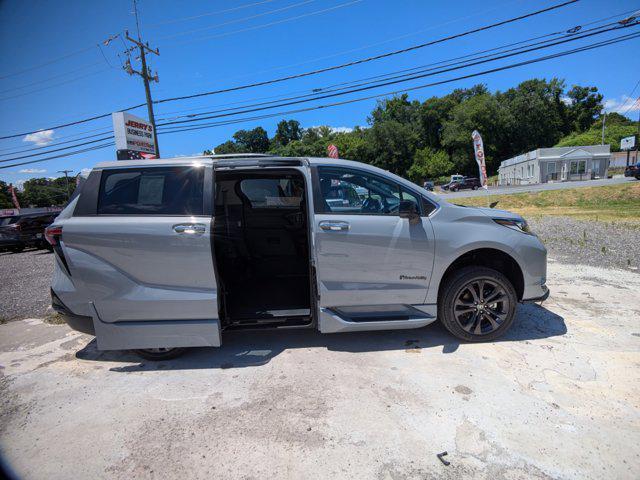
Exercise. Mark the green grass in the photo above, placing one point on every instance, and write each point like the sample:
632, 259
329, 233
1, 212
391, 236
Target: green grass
53, 318
608, 203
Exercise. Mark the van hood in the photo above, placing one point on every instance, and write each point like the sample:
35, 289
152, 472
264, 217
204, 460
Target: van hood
495, 213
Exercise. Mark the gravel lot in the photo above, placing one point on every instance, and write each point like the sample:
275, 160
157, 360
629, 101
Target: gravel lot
24, 291
582, 242
25, 276
556, 398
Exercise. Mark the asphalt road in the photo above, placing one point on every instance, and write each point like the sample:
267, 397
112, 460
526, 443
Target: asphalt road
535, 188
556, 398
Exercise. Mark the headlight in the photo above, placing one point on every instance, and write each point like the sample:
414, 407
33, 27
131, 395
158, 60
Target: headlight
519, 225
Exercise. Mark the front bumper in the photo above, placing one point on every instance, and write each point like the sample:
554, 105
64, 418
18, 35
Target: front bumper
541, 298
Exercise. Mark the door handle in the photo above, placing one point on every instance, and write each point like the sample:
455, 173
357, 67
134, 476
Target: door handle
334, 226
190, 228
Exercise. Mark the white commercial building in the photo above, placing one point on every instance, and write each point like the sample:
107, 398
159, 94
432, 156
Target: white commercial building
557, 164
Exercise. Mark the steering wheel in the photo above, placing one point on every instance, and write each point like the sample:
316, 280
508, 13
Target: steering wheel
371, 205
394, 208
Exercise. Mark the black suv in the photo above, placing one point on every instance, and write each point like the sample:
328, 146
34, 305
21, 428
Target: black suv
465, 183
20, 231
633, 171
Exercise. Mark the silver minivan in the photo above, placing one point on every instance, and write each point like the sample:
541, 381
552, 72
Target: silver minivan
161, 255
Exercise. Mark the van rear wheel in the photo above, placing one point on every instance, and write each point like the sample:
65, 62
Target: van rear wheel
158, 354
477, 304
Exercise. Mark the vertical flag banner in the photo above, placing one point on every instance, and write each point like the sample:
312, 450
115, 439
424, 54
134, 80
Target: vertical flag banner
478, 149
14, 197
332, 151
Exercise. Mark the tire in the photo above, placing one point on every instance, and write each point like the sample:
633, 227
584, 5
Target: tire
460, 307
157, 354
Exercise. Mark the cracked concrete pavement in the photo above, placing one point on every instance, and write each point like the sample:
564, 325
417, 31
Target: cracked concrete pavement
558, 397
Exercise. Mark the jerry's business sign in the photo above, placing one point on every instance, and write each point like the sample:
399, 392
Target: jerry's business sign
134, 137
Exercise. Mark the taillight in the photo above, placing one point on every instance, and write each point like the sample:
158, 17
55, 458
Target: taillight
52, 233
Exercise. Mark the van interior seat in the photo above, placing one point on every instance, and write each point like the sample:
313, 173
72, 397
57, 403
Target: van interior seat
261, 250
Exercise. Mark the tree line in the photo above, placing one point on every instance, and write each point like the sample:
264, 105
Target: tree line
424, 140
431, 139
37, 192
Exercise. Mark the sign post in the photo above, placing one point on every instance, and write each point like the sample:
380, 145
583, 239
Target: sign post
627, 143
134, 137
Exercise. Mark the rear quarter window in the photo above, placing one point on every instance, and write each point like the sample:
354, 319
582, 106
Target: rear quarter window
152, 191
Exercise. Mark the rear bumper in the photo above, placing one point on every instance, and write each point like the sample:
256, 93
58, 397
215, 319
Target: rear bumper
79, 323
10, 242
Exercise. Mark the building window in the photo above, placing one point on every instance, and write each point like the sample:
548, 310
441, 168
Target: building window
578, 167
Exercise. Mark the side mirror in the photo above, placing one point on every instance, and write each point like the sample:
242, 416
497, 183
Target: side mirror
409, 209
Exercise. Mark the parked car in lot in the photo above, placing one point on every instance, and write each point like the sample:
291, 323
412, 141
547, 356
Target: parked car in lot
467, 183
633, 171
18, 232
158, 256
428, 186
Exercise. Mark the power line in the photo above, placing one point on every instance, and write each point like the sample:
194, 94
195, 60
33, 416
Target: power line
370, 59
360, 99
237, 20
326, 90
474, 55
314, 72
270, 24
109, 137
415, 70
55, 145
58, 59
72, 80
46, 80
219, 12
77, 122
619, 39
97, 147
392, 80
630, 97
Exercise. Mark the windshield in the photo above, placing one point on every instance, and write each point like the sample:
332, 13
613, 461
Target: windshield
8, 221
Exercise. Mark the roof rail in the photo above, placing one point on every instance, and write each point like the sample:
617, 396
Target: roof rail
230, 156
260, 162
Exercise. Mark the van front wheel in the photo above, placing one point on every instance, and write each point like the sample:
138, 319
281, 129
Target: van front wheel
158, 354
477, 304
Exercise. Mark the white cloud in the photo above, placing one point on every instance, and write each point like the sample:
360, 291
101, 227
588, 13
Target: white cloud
33, 170
41, 138
341, 129
85, 172
19, 184
625, 104
336, 129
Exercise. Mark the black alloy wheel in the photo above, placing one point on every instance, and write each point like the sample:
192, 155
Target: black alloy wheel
477, 304
481, 306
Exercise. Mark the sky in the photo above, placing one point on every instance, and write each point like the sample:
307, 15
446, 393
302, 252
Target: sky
52, 70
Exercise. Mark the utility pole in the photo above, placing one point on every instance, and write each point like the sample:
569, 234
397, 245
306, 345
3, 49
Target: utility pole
604, 121
144, 73
66, 177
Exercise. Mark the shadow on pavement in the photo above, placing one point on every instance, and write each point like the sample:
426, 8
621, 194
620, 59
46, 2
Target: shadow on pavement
255, 348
